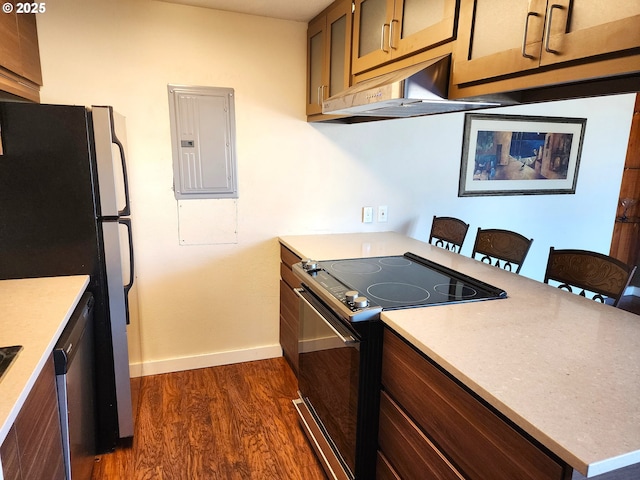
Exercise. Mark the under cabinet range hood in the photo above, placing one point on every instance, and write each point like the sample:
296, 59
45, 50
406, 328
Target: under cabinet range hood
413, 91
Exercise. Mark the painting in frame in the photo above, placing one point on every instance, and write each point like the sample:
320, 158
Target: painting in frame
520, 155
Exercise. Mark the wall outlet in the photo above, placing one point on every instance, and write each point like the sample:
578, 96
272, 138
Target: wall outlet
382, 213
367, 214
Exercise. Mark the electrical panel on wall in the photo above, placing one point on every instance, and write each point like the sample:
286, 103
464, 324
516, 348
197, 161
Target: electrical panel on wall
203, 139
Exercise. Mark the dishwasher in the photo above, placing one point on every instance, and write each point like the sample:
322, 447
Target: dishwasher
73, 357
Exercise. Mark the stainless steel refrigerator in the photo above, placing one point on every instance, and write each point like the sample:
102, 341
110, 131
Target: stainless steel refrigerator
64, 208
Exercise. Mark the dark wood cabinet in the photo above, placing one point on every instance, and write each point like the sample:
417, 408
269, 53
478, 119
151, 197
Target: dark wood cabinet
289, 308
33, 447
407, 448
29, 50
10, 455
20, 72
429, 418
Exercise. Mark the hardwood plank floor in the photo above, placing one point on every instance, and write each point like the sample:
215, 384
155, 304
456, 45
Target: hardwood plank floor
228, 422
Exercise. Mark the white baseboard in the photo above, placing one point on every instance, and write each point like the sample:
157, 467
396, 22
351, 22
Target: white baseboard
203, 361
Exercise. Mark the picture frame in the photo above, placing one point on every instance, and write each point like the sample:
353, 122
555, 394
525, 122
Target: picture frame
520, 155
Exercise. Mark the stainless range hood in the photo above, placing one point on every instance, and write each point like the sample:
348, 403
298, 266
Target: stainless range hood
413, 91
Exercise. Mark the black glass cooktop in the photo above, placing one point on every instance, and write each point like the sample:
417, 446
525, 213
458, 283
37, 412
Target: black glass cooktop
407, 281
7, 356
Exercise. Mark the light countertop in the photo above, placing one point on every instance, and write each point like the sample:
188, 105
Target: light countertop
563, 368
33, 313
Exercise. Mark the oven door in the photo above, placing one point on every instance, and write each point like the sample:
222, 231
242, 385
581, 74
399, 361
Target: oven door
329, 369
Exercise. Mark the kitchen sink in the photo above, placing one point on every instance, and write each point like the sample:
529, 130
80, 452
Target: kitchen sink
7, 356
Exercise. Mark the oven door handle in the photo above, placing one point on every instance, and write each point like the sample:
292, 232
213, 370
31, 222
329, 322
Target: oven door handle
347, 340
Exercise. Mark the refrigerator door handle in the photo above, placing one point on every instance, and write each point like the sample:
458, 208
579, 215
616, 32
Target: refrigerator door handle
126, 211
113, 181
127, 223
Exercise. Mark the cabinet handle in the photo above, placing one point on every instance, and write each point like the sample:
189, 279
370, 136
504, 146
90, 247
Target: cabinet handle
547, 32
391, 45
384, 26
526, 32
320, 95
346, 339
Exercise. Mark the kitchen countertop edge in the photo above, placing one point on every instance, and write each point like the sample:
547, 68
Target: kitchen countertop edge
29, 363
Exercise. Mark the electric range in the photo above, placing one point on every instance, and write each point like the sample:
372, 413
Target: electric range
340, 346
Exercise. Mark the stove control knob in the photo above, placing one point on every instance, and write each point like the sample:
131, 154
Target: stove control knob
351, 296
308, 265
361, 302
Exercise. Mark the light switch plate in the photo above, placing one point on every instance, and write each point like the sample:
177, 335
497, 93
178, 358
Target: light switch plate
367, 214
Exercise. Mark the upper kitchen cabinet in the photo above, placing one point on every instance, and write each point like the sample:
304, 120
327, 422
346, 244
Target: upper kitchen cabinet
505, 37
328, 54
20, 72
29, 51
386, 30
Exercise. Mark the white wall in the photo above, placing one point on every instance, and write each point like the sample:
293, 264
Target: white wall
202, 305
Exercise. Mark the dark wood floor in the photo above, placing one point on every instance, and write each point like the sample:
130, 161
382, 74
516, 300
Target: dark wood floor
228, 422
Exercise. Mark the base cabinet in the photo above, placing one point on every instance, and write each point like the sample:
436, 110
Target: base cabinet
289, 308
33, 447
428, 420
409, 452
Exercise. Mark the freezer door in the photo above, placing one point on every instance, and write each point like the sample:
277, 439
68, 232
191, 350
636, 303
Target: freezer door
117, 294
110, 146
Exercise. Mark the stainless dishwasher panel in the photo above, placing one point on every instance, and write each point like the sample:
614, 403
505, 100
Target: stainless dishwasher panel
73, 356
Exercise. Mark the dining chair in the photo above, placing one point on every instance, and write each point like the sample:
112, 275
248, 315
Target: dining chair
600, 276
502, 248
448, 233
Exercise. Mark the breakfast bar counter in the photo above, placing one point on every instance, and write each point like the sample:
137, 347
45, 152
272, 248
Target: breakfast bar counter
564, 369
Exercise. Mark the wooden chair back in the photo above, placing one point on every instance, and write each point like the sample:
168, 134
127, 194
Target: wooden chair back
448, 233
600, 276
501, 248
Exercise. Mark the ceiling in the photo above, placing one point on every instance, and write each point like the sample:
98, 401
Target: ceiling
297, 10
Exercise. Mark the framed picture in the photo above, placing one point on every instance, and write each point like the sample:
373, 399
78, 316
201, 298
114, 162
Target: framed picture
520, 155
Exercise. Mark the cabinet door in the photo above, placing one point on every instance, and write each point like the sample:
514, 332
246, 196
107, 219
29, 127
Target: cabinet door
38, 430
328, 55
385, 30
579, 29
407, 449
339, 47
10, 455
29, 48
289, 308
473, 437
371, 30
498, 37
10, 42
420, 24
316, 68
